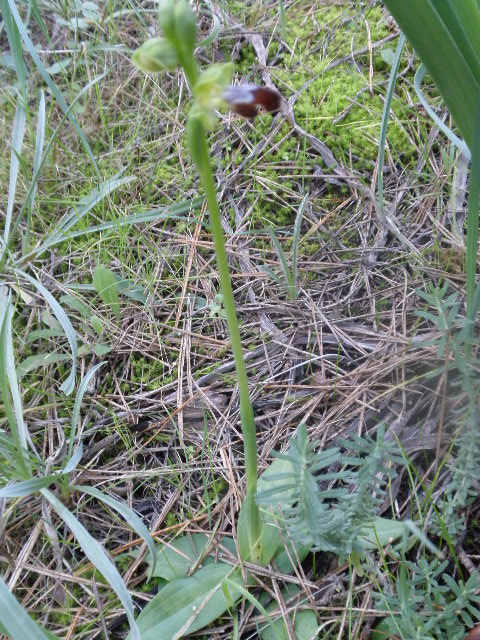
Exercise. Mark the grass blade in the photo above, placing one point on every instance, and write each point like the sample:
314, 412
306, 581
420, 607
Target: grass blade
9, 365
37, 161
68, 385
53, 87
176, 212
88, 202
472, 222
283, 264
127, 514
384, 125
18, 434
460, 144
78, 403
27, 487
98, 557
15, 47
17, 143
15, 622
296, 238
423, 25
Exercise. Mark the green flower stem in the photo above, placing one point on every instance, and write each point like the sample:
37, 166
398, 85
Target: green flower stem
198, 145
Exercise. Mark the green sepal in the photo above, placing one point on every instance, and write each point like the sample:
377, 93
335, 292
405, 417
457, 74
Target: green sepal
156, 54
212, 83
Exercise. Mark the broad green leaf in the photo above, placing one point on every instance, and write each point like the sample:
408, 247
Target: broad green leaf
188, 604
98, 557
177, 558
77, 305
105, 284
58, 67
101, 350
15, 621
130, 289
380, 531
285, 556
248, 546
127, 513
304, 621
97, 324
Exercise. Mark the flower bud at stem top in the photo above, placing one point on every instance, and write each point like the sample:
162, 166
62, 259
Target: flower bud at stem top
177, 22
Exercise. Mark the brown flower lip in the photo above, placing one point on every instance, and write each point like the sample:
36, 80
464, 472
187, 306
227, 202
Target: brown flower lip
247, 99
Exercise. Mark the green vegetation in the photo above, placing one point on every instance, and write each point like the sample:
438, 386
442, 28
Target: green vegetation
119, 398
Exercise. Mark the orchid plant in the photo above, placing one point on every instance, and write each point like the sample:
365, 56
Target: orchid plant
212, 89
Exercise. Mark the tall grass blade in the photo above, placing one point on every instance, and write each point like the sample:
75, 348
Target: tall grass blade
36, 172
98, 557
85, 205
128, 514
15, 622
69, 384
17, 143
27, 487
176, 212
78, 403
287, 274
15, 47
296, 238
460, 144
426, 23
384, 125
8, 362
53, 87
21, 459
472, 221
213, 35
37, 161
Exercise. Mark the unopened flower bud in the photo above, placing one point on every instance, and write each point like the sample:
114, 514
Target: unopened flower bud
185, 25
166, 18
156, 54
177, 22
